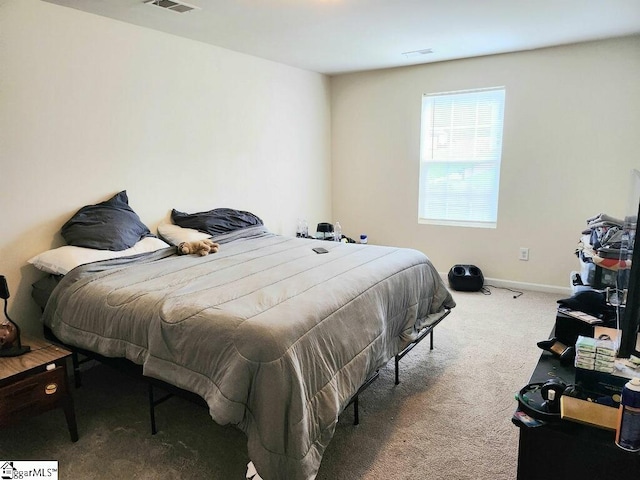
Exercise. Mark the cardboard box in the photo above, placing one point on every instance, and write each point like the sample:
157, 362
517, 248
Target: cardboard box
589, 413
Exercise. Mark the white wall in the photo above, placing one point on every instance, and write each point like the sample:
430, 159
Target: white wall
91, 106
570, 141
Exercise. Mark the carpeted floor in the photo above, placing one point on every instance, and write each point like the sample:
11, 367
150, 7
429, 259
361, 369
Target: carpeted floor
450, 417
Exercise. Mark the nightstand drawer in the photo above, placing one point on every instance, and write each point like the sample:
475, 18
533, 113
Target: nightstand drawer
32, 395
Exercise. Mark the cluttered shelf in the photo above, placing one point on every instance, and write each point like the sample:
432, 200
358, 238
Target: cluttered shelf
610, 271
571, 414
551, 446
579, 416
604, 250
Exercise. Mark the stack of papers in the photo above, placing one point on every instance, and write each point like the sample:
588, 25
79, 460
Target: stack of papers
585, 353
595, 354
605, 356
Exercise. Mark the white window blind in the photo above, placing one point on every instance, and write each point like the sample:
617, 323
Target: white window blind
460, 153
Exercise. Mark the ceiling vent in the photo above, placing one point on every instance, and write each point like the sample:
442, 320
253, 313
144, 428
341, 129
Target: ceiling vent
173, 5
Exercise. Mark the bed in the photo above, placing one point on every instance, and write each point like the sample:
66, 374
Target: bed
276, 338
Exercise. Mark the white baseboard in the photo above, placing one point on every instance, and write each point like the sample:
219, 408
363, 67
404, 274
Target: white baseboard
533, 287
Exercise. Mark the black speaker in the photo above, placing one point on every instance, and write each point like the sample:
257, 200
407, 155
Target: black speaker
466, 278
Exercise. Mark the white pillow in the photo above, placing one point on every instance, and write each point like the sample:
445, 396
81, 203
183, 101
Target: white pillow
175, 234
62, 260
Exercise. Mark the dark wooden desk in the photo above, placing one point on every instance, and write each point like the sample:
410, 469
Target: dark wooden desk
568, 450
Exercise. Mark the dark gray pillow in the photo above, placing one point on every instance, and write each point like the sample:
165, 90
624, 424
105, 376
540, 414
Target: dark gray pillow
109, 225
216, 221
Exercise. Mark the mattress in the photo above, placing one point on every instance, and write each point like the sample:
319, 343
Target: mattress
275, 337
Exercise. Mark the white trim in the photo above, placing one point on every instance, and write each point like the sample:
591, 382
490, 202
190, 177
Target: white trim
457, 223
533, 287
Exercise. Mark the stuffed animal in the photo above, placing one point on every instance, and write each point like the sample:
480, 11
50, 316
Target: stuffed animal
201, 247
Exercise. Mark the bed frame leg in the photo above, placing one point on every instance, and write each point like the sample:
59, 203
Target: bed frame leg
152, 410
354, 399
76, 369
421, 336
153, 402
356, 415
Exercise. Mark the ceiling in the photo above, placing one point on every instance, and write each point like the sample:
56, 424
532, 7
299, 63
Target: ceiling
340, 36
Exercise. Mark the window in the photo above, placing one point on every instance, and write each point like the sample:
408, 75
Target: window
460, 152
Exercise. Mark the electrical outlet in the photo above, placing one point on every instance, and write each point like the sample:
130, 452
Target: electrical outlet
524, 254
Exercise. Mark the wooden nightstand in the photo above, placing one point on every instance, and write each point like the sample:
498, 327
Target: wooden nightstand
36, 382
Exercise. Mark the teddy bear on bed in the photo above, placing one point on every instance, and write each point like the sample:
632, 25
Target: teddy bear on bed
201, 247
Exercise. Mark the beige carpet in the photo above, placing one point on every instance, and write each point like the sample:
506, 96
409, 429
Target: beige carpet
450, 417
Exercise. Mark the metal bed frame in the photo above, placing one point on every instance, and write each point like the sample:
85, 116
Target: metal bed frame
135, 370
426, 331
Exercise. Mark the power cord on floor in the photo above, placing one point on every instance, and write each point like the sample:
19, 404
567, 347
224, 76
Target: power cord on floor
486, 291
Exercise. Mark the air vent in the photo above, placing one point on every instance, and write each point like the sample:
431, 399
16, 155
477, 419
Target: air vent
173, 5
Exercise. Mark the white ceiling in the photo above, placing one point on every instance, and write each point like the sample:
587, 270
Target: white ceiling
339, 36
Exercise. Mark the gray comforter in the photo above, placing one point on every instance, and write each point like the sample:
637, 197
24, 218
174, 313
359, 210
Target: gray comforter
275, 337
